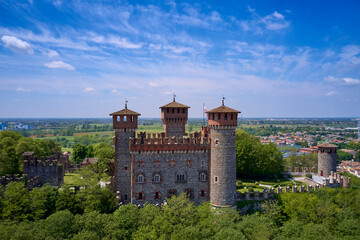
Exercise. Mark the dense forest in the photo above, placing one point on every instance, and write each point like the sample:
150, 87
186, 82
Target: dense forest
91, 213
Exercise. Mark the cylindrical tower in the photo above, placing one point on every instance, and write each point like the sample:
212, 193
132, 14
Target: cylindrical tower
222, 122
125, 125
326, 159
174, 116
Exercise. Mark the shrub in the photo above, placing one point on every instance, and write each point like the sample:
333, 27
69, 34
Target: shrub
251, 189
308, 175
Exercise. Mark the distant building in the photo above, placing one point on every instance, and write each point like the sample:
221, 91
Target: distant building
351, 167
20, 126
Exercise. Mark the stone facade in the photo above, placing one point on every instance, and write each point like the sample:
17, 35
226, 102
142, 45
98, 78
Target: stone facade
152, 167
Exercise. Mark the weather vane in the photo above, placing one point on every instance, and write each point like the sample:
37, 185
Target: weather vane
126, 102
223, 100
174, 97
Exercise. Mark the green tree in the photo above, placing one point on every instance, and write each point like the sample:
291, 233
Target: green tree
79, 152
341, 155
16, 202
68, 200
43, 201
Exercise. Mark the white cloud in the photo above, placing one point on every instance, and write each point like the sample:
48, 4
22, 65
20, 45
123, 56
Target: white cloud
52, 53
168, 93
344, 81
278, 15
114, 91
250, 9
331, 93
274, 21
60, 65
20, 89
123, 43
153, 84
89, 89
17, 45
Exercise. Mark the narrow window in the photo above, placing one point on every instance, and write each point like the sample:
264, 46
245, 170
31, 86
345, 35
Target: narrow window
156, 195
203, 163
216, 179
183, 110
202, 193
219, 116
140, 196
178, 110
167, 110
232, 116
173, 110
225, 116
118, 118
202, 177
125, 197
132, 118
125, 118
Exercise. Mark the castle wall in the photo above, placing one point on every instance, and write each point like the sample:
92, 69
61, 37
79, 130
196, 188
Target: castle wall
168, 164
223, 166
123, 163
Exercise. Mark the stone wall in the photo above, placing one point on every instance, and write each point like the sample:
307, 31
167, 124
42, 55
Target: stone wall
326, 163
168, 165
48, 170
223, 166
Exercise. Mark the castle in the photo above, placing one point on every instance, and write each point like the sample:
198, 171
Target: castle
152, 167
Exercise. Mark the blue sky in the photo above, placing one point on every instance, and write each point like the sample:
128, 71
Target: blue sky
268, 58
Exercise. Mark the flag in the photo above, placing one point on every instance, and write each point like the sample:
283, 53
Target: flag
205, 108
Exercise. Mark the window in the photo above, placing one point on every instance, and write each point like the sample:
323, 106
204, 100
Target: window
125, 197
189, 193
189, 163
140, 163
172, 163
219, 116
202, 177
216, 179
178, 110
140, 178
203, 163
157, 195
183, 110
180, 176
125, 167
232, 116
216, 141
173, 110
141, 196
157, 163
225, 116
167, 110
118, 118
202, 193
132, 119
157, 178
125, 118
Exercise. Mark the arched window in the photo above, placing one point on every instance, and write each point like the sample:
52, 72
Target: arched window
157, 178
202, 193
141, 178
141, 196
202, 177
180, 176
157, 195
141, 163
172, 163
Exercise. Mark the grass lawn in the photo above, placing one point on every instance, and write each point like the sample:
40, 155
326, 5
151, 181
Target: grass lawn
73, 179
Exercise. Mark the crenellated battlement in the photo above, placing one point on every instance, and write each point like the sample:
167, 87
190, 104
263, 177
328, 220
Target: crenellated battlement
48, 169
336, 180
158, 142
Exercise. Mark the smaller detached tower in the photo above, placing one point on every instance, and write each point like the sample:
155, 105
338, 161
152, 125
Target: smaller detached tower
222, 122
174, 116
326, 159
125, 124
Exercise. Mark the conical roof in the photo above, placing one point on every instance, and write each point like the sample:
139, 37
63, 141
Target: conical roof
327, 145
223, 109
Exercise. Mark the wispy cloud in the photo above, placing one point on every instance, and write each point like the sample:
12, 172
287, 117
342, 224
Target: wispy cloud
273, 22
52, 53
16, 44
344, 81
331, 93
59, 65
89, 89
20, 89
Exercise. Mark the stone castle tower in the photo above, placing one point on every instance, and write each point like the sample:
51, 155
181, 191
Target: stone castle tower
222, 122
124, 124
326, 159
174, 116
